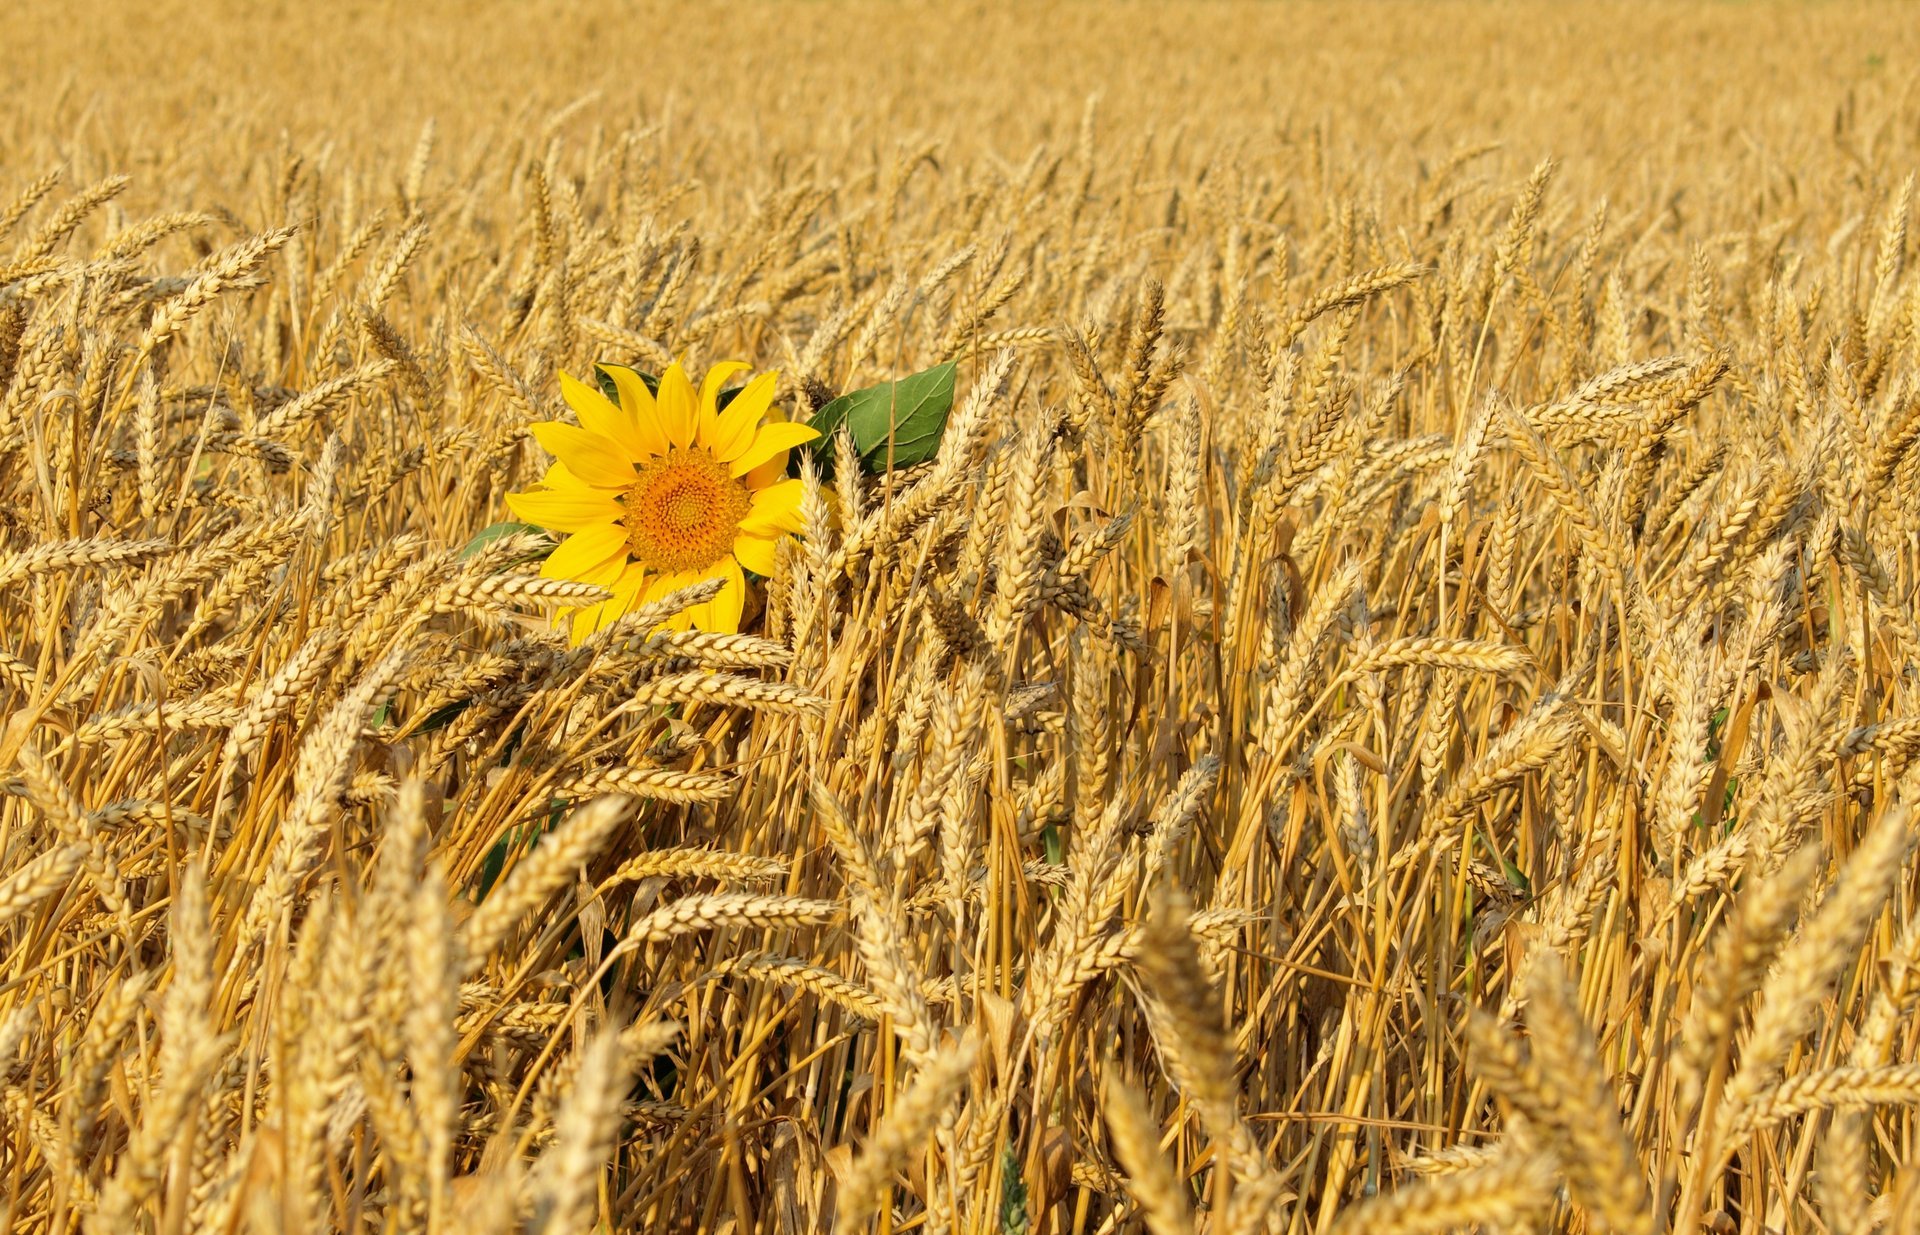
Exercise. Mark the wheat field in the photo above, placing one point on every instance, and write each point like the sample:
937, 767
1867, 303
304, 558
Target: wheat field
1393, 709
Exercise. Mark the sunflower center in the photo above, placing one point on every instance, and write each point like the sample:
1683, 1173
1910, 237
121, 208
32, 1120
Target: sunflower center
683, 510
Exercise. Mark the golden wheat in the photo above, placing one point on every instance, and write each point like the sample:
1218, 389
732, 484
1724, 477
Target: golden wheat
1392, 708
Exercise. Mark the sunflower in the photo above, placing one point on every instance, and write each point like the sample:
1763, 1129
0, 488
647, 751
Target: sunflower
657, 492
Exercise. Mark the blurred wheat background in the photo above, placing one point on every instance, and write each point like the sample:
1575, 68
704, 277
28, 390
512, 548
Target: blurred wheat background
1392, 710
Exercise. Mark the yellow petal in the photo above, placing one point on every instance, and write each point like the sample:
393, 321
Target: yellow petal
701, 616
637, 402
594, 618
756, 553
572, 619
775, 509
625, 582
627, 589
600, 461
587, 555
769, 472
662, 586
678, 412
598, 414
721, 615
563, 510
558, 477
575, 622
734, 431
716, 378
585, 400
771, 440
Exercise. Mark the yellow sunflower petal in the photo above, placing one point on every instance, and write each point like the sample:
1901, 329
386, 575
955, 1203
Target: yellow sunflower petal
637, 402
587, 555
721, 615
585, 400
678, 412
775, 509
571, 619
771, 440
599, 414
769, 472
627, 589
756, 553
592, 619
625, 583
563, 510
600, 461
716, 378
733, 432
559, 477
662, 586
702, 615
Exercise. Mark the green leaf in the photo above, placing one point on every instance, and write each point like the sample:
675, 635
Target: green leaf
527, 835
444, 716
491, 868
492, 532
494, 864
895, 424
1013, 1193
